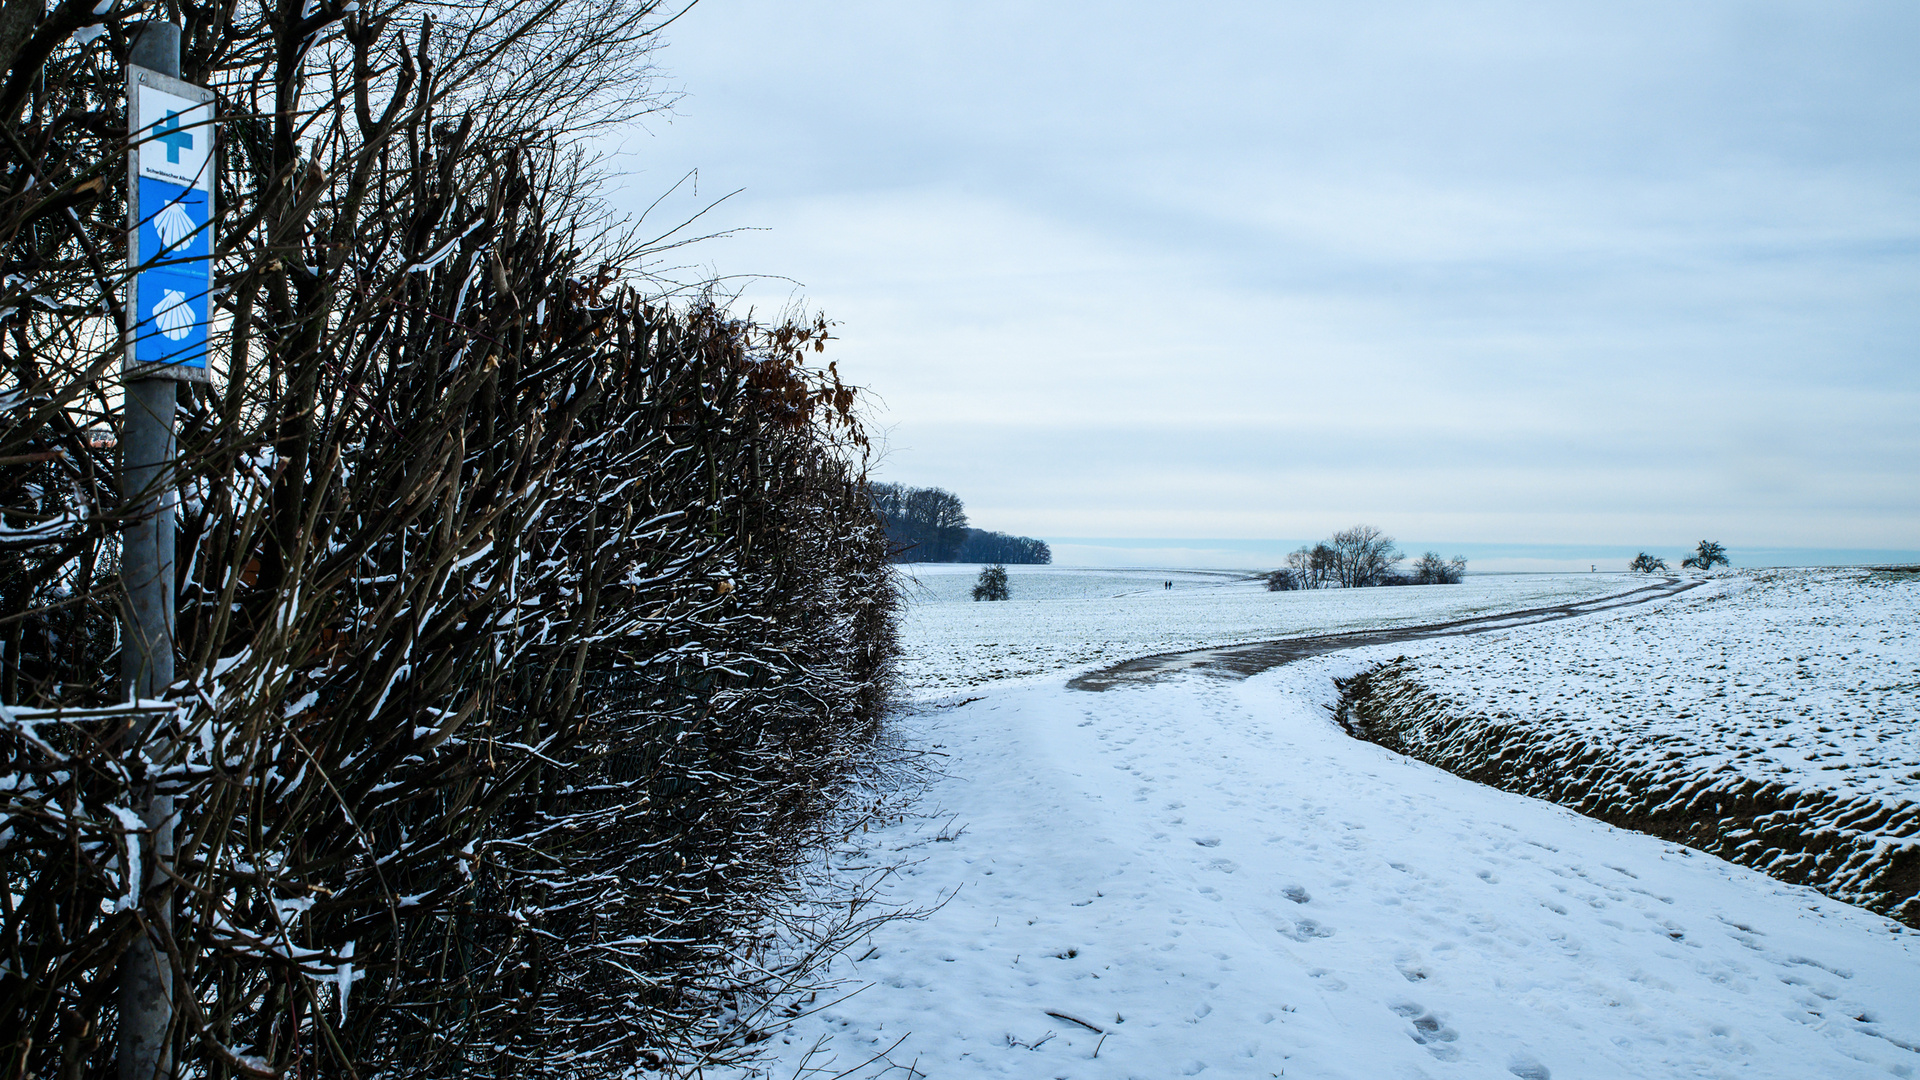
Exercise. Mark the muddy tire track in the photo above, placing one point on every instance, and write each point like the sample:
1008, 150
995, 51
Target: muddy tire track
1252, 658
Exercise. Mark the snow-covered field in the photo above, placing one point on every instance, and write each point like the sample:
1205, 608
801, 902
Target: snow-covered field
1810, 677
1771, 717
1062, 619
1206, 877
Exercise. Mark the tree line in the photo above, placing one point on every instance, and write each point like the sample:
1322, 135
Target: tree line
1357, 558
930, 525
525, 620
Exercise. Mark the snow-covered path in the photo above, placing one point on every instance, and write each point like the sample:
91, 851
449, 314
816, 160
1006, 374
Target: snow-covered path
1215, 877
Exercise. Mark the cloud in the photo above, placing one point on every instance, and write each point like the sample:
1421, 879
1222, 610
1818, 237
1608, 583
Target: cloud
1512, 271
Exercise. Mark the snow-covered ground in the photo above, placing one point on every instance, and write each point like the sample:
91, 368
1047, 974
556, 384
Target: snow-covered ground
1807, 677
1206, 877
1061, 619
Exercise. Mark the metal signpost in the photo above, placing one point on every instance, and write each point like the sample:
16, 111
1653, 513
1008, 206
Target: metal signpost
170, 213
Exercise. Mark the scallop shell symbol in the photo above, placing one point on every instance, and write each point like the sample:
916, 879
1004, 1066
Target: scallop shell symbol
174, 224
173, 316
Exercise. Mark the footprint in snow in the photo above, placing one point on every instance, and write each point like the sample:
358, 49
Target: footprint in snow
1428, 1030
1207, 841
1296, 894
1307, 930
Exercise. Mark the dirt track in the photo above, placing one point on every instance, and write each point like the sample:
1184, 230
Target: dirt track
1241, 661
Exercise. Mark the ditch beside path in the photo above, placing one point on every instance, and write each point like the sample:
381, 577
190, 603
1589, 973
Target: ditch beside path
1252, 658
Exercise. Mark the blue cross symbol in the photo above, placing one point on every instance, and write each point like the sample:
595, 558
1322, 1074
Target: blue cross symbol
169, 132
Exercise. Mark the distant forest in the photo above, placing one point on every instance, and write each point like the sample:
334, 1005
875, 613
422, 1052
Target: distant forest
930, 525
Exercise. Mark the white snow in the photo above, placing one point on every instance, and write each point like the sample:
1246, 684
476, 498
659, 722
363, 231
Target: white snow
1223, 884
1806, 677
1062, 619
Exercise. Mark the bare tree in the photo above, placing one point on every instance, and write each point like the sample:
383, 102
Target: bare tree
1644, 563
1431, 569
1308, 567
1322, 562
925, 524
1363, 556
1708, 555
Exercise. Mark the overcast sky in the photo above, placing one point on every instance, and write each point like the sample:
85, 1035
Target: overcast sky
1531, 273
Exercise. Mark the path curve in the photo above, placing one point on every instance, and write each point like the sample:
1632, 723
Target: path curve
1254, 657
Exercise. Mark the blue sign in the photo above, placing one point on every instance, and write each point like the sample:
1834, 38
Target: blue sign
171, 249
173, 290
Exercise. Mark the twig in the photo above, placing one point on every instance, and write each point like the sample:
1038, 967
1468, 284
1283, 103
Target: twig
1076, 1020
